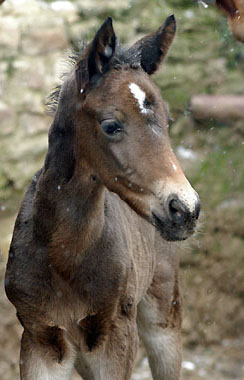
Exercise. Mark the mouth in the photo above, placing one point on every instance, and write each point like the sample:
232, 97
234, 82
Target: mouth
175, 222
170, 230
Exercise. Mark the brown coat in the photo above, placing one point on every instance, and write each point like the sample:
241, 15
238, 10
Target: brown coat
87, 268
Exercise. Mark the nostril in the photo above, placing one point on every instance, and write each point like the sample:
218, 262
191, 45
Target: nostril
180, 211
173, 206
197, 209
175, 209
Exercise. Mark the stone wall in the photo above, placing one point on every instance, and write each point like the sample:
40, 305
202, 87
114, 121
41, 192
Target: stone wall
35, 39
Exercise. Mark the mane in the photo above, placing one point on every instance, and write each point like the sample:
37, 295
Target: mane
123, 58
52, 99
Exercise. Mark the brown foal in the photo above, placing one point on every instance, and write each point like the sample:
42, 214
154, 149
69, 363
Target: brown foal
93, 262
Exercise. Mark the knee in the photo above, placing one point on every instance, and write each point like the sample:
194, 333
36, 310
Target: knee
49, 340
128, 307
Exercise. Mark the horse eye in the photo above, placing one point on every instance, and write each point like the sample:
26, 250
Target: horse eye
147, 103
111, 128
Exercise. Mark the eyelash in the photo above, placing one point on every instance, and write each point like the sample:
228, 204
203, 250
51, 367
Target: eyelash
111, 128
147, 104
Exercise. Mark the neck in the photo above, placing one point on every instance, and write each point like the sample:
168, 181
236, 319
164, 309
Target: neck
74, 216
69, 201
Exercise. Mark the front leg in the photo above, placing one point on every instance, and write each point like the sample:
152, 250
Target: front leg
159, 320
112, 357
46, 355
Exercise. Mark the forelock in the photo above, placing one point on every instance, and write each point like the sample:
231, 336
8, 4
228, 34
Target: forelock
124, 58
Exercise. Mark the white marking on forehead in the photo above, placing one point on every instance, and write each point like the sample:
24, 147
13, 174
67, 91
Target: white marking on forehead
139, 95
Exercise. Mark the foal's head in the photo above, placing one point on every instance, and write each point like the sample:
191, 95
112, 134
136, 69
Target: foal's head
121, 128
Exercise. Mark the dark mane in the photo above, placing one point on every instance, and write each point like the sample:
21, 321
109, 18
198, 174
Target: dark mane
124, 57
52, 99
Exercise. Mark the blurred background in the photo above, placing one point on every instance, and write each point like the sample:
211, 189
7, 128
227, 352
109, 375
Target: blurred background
207, 134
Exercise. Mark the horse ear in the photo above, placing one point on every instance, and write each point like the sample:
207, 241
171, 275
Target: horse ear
102, 48
99, 54
153, 48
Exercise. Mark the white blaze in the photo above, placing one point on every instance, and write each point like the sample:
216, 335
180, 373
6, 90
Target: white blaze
139, 95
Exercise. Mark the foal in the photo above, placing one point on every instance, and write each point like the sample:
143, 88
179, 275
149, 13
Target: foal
92, 263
